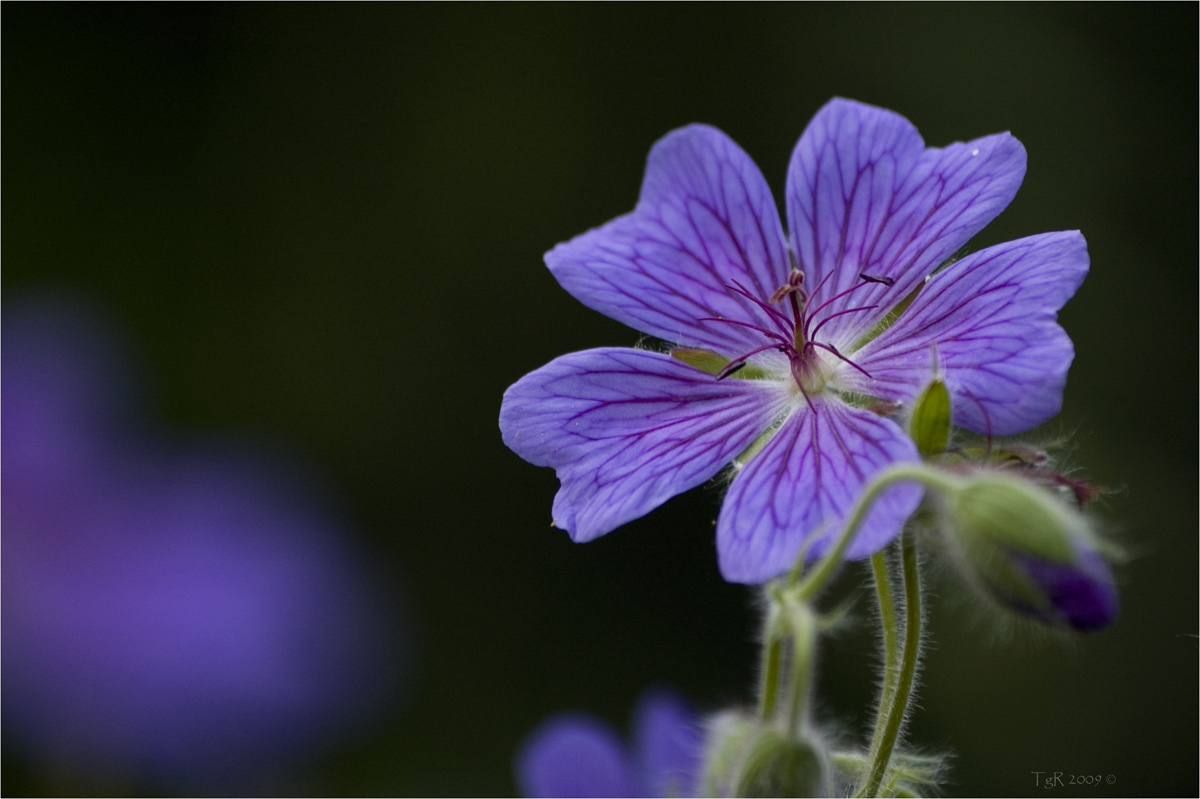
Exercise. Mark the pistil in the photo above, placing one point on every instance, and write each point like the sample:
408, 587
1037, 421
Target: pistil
796, 337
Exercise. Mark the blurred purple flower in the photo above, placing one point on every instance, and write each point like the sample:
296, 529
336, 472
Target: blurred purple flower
801, 338
577, 755
1024, 546
1081, 594
172, 614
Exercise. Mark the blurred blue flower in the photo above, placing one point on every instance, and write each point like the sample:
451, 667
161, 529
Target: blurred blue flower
178, 614
577, 755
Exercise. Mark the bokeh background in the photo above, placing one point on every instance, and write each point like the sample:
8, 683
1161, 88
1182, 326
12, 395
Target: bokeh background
323, 226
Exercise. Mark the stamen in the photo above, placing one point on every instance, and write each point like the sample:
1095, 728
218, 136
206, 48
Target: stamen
726, 371
791, 337
740, 361
794, 282
821, 285
840, 313
767, 333
833, 349
815, 311
785, 326
864, 280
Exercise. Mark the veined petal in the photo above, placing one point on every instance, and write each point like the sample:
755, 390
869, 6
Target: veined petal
796, 493
865, 196
705, 219
993, 318
668, 741
628, 429
574, 755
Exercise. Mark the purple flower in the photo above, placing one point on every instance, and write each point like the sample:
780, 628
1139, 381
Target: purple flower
1027, 549
796, 341
576, 755
181, 614
1080, 594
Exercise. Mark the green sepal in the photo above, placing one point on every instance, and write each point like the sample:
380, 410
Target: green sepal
713, 362
730, 736
707, 360
1017, 455
1001, 576
930, 422
778, 765
1010, 513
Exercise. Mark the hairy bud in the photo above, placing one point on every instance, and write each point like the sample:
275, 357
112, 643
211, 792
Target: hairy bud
1031, 552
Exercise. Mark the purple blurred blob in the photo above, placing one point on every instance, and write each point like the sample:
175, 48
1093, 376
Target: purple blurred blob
180, 614
576, 755
1081, 595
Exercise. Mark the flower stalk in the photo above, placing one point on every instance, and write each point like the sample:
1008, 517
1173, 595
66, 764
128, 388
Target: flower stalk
772, 664
827, 567
894, 707
881, 571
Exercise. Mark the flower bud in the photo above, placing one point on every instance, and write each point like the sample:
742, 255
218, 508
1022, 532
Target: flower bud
929, 425
747, 756
1031, 553
729, 736
780, 765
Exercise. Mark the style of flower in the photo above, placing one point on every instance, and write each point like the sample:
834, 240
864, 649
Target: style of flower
577, 755
173, 615
793, 355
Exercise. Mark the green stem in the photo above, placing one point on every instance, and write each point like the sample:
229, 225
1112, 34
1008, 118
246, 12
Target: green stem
772, 665
897, 473
908, 668
891, 648
803, 628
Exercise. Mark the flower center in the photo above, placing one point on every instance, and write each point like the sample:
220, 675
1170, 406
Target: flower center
810, 371
797, 337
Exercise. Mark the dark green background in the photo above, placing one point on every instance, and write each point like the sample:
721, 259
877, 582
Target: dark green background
325, 224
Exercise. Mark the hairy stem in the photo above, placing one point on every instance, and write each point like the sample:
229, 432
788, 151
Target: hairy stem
828, 565
803, 628
772, 665
898, 706
891, 648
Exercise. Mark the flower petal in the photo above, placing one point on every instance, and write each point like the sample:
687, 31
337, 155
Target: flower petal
864, 196
705, 218
628, 429
575, 755
1082, 595
797, 491
668, 742
992, 317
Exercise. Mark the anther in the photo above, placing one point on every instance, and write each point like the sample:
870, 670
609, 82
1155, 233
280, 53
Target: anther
730, 368
887, 281
794, 282
740, 361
